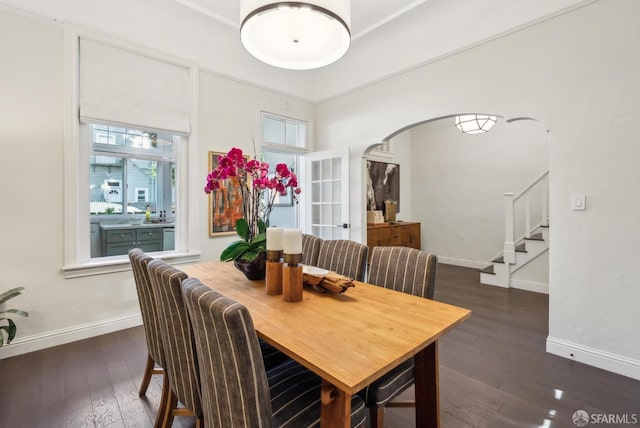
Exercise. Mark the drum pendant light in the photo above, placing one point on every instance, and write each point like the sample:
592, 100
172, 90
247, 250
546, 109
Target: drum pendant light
296, 35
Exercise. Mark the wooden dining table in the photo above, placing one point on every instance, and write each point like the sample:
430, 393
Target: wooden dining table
347, 339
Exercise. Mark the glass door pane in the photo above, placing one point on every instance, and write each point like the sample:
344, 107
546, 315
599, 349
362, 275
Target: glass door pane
329, 194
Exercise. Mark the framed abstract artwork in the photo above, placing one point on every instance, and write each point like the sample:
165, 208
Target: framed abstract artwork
225, 204
383, 183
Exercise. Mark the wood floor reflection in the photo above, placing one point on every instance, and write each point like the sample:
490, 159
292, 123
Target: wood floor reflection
494, 372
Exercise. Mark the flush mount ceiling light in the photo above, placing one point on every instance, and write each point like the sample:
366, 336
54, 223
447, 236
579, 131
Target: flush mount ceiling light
475, 123
296, 35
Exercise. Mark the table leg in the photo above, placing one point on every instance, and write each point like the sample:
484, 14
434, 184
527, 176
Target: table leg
426, 387
335, 407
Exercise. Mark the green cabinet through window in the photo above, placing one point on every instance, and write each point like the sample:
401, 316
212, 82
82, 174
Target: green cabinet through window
120, 241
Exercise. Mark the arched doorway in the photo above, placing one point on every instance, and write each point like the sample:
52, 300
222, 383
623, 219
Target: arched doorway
453, 184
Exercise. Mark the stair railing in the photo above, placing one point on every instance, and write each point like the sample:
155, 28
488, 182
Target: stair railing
541, 183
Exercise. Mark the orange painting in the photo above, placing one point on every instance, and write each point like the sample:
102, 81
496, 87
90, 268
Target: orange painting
225, 204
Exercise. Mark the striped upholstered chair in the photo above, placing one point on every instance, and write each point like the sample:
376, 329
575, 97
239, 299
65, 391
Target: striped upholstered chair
344, 257
139, 261
237, 391
310, 249
177, 340
410, 271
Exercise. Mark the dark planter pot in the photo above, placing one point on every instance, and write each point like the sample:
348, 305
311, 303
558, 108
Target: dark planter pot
255, 269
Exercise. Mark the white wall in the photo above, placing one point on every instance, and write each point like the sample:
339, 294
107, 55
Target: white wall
577, 73
430, 31
534, 275
31, 139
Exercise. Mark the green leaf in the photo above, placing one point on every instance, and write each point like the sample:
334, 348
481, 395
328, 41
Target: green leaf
250, 255
11, 331
10, 294
262, 228
259, 239
242, 228
234, 250
15, 311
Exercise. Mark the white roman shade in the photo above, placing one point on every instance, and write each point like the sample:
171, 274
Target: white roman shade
123, 87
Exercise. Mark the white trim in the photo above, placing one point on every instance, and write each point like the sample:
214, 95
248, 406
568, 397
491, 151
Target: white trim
462, 262
71, 185
594, 357
536, 287
62, 336
122, 264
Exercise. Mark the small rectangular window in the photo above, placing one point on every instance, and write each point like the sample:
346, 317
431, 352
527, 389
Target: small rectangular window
284, 141
284, 131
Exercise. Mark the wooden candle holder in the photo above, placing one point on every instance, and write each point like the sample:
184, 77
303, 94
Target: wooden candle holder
292, 283
274, 277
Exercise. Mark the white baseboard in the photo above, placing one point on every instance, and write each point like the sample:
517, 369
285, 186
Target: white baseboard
23, 345
530, 286
463, 263
594, 357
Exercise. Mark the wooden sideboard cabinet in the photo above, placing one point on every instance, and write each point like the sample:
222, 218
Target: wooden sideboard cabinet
403, 234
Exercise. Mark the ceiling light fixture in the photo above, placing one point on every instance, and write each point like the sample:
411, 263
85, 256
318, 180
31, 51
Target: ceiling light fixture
296, 35
475, 123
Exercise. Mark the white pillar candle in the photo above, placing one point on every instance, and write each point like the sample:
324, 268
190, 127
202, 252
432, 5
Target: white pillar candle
274, 239
292, 241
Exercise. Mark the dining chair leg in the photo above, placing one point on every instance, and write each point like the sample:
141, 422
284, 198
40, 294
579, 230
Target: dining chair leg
199, 423
146, 378
172, 404
164, 398
376, 417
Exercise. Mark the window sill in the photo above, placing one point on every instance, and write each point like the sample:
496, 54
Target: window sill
121, 264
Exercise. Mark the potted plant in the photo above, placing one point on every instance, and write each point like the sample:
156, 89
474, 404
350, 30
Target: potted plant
8, 328
258, 190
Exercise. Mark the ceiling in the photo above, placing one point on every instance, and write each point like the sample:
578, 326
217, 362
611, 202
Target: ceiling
389, 37
393, 36
366, 15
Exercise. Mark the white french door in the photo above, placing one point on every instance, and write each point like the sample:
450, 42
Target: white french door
327, 207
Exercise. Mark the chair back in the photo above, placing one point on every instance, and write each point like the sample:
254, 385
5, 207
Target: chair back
404, 269
177, 334
139, 265
343, 257
310, 249
235, 390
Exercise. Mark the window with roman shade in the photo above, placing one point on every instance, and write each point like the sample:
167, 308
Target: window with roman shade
131, 115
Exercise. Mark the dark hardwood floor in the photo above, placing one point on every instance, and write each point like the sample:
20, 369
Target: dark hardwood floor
494, 372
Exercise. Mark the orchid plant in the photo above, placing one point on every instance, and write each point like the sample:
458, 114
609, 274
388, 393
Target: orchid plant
259, 190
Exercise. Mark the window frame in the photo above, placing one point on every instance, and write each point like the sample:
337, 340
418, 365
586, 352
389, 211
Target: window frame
132, 153
77, 259
298, 151
284, 148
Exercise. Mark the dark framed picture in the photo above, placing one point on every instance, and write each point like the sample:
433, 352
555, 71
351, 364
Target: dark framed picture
225, 204
383, 184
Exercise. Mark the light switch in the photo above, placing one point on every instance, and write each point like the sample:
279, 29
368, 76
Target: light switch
578, 202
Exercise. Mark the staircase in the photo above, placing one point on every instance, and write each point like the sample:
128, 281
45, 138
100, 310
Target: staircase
533, 242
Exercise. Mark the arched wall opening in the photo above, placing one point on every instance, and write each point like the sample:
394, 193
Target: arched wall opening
453, 184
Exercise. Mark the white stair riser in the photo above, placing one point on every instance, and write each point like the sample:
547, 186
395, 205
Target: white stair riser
503, 271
